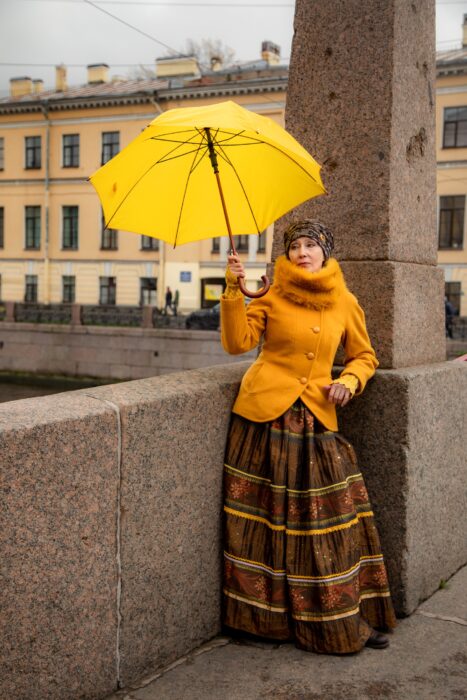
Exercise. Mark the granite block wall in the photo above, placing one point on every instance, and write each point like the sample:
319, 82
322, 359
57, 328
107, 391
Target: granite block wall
58, 532
110, 525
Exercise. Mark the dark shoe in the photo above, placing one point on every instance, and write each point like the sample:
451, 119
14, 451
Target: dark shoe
377, 640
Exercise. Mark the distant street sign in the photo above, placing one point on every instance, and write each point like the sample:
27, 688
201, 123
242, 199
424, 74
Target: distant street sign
185, 276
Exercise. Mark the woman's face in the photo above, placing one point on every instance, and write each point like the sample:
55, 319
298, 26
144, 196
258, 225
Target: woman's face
307, 254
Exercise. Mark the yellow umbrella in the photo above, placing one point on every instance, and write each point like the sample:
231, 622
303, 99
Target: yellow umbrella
195, 172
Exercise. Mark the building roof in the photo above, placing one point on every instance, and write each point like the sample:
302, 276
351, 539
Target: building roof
452, 62
92, 94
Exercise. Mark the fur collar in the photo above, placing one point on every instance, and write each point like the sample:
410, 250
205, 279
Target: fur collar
315, 290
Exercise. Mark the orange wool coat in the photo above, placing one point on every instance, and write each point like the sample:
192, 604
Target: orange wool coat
304, 318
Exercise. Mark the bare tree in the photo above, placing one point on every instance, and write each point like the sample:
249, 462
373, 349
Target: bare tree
210, 52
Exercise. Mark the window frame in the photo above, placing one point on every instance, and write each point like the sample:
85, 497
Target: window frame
2, 227
109, 237
454, 297
111, 287
67, 287
65, 218
31, 283
442, 210
154, 243
32, 227
241, 243
70, 151
261, 248
110, 146
34, 150
456, 122
142, 289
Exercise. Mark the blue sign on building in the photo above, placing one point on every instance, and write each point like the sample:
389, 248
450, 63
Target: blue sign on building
185, 276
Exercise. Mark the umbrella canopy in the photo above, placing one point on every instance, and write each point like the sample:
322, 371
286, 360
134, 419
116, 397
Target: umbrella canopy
162, 184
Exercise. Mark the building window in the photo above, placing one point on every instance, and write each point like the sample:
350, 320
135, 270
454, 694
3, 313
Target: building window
71, 150
107, 290
30, 291
70, 228
452, 292
455, 127
33, 152
262, 242
241, 244
216, 245
148, 289
110, 145
149, 243
2, 227
33, 228
2, 153
451, 222
68, 289
109, 237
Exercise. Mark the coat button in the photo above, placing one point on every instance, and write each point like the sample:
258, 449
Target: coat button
316, 329
310, 355
303, 380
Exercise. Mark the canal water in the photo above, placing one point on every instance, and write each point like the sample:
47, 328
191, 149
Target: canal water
13, 390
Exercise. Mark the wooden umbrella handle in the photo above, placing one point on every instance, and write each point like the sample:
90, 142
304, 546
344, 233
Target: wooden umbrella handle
254, 295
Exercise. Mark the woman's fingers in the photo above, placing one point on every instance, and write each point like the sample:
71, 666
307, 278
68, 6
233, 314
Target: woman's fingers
339, 394
235, 266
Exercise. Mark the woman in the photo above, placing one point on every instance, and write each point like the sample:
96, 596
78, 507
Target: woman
302, 553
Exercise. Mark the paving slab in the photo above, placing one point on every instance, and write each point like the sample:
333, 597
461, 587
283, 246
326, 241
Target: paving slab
426, 660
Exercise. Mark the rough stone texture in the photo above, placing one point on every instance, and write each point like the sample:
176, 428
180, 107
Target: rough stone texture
360, 99
63, 535
58, 465
426, 660
405, 330
110, 353
173, 441
410, 439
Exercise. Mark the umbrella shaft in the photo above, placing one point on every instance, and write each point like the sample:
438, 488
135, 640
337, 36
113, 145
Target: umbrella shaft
215, 167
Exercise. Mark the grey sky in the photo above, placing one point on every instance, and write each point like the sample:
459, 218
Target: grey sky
76, 32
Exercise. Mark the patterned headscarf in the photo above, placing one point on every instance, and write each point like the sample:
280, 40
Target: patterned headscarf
311, 229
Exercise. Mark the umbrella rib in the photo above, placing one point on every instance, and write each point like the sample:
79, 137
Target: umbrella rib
129, 192
185, 191
227, 160
284, 153
180, 143
161, 160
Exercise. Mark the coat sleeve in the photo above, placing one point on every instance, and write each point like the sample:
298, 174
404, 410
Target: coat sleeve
360, 358
241, 326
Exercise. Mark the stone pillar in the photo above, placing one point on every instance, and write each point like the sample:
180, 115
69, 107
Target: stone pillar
76, 314
361, 100
10, 311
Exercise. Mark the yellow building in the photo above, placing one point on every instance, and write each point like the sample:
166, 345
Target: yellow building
451, 145
53, 246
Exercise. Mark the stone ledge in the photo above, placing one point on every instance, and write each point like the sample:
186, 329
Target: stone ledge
61, 455
409, 430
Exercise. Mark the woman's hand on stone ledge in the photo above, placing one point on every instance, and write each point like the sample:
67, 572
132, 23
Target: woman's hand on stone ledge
338, 394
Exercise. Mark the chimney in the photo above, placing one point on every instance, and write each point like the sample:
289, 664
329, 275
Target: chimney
98, 73
177, 66
20, 86
271, 53
216, 63
464, 33
37, 86
60, 78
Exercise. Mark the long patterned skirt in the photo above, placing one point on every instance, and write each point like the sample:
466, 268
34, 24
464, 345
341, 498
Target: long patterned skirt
302, 555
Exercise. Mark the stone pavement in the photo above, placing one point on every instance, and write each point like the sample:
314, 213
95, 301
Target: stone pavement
426, 660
